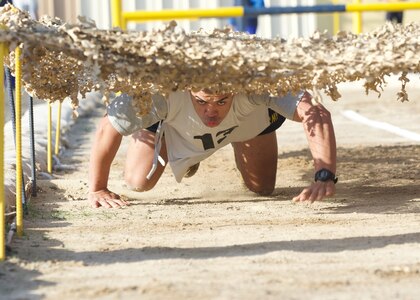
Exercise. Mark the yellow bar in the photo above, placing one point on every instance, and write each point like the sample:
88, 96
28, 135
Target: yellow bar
18, 109
116, 11
336, 20
123, 22
357, 18
57, 129
169, 14
49, 140
3, 51
357, 6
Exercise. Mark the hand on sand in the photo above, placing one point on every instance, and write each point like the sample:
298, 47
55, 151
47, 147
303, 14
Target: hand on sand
316, 192
106, 198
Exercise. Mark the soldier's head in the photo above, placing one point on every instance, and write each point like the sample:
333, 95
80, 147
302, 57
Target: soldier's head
211, 107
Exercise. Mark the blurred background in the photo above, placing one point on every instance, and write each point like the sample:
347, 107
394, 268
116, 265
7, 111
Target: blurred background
285, 26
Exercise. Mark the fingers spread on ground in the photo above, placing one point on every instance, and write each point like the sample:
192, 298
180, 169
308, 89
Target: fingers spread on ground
104, 203
114, 203
330, 191
121, 202
302, 196
321, 193
314, 194
94, 204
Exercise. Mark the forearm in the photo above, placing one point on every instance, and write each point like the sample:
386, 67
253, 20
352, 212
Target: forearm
105, 146
319, 131
322, 143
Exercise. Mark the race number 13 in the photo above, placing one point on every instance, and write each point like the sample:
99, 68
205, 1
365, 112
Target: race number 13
207, 138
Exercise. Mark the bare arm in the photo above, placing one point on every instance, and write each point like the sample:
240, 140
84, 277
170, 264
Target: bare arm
319, 131
105, 146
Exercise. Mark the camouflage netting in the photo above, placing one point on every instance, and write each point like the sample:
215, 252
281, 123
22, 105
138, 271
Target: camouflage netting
62, 60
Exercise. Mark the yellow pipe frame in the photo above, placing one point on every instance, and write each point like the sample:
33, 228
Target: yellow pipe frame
18, 112
57, 129
357, 7
116, 11
169, 14
336, 20
360, 7
3, 51
49, 139
121, 18
357, 18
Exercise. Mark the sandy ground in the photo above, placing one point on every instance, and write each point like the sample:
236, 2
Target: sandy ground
209, 238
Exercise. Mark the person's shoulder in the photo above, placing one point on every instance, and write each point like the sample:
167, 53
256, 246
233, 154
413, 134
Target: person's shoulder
258, 98
160, 105
119, 101
177, 101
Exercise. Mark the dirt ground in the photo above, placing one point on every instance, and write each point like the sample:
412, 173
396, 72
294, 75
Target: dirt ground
209, 238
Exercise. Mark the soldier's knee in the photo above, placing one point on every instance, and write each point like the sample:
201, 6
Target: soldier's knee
261, 190
142, 185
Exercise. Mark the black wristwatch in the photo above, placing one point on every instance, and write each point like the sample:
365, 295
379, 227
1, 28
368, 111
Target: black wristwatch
325, 175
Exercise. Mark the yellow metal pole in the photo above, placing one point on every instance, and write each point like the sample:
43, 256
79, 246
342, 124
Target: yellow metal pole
336, 20
57, 129
18, 109
357, 19
356, 6
116, 12
49, 140
3, 51
169, 14
124, 22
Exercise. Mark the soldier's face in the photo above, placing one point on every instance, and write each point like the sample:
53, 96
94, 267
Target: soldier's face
211, 108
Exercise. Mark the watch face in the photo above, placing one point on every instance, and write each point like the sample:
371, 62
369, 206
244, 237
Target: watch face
324, 175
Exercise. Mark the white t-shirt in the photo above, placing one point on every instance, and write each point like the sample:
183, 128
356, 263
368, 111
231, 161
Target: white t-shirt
188, 140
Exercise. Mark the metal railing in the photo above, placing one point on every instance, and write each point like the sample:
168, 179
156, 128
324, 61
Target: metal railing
120, 18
